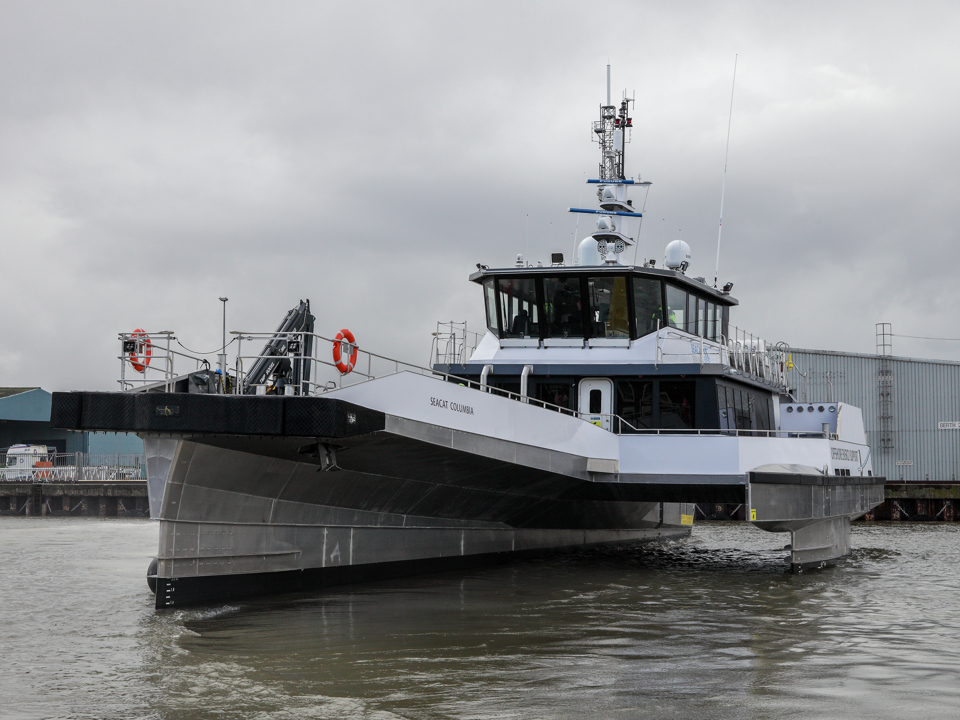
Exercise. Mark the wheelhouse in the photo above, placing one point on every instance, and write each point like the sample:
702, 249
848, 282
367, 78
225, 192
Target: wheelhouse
535, 313
598, 303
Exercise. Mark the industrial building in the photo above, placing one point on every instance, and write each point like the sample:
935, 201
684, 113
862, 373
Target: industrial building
911, 407
25, 420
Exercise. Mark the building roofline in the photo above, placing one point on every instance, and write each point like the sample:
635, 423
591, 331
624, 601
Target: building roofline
6, 392
873, 356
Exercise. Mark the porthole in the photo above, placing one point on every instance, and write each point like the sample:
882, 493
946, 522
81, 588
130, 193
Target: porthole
820, 409
800, 409
790, 408
832, 409
810, 409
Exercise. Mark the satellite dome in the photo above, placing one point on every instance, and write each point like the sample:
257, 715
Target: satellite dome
677, 256
587, 252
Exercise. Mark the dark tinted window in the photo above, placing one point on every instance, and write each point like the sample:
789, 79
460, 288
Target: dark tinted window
555, 393
563, 307
691, 325
676, 307
518, 308
711, 321
677, 403
595, 402
490, 305
608, 307
728, 418
635, 403
647, 303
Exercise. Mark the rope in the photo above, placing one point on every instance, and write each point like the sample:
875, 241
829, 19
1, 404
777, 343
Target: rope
209, 352
921, 337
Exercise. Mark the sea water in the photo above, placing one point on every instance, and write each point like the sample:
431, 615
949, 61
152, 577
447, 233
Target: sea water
710, 627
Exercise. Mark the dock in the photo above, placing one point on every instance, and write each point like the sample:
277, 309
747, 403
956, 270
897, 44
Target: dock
912, 501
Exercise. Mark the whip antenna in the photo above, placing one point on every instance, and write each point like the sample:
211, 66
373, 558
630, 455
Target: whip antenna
723, 186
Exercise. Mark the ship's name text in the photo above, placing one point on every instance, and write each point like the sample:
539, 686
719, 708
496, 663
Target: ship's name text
845, 455
454, 406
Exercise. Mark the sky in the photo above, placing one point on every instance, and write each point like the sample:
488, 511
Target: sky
157, 156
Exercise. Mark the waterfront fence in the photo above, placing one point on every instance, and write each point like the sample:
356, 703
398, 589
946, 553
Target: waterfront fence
72, 467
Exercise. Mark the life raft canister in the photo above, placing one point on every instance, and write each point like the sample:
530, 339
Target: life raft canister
345, 351
142, 350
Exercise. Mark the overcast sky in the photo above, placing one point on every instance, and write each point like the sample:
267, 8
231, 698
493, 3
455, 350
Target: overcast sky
155, 156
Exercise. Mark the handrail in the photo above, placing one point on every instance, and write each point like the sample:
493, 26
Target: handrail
617, 421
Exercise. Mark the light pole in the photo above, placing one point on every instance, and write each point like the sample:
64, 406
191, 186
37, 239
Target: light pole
223, 348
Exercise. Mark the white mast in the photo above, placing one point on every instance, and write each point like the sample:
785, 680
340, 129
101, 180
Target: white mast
723, 186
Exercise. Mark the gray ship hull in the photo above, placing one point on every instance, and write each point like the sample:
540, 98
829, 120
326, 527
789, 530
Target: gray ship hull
237, 522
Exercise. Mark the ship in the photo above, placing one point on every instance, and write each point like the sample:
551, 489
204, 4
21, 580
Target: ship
602, 401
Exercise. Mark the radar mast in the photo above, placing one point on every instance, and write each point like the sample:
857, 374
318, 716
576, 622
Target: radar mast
612, 132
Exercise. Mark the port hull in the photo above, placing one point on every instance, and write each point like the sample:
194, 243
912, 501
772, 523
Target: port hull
243, 516
200, 589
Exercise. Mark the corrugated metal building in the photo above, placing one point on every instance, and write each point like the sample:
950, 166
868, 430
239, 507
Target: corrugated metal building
911, 407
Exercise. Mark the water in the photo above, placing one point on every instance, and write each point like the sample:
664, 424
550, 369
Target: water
711, 627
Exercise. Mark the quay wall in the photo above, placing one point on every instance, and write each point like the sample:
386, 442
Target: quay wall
79, 499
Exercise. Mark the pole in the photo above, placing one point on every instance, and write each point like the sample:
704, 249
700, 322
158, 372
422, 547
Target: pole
723, 187
223, 347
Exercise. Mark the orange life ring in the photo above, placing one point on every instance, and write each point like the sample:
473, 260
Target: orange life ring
343, 344
142, 351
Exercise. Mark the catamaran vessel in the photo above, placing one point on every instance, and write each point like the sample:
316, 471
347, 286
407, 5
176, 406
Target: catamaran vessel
600, 404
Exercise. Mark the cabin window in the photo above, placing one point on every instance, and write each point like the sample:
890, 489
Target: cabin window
563, 307
676, 307
647, 306
728, 419
702, 317
635, 403
608, 307
677, 404
518, 308
490, 304
744, 409
556, 393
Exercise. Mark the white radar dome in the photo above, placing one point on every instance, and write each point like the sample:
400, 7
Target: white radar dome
677, 256
587, 252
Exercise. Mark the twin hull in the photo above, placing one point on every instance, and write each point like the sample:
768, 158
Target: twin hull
398, 475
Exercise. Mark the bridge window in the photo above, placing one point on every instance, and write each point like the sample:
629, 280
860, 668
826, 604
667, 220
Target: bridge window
490, 304
608, 307
518, 308
563, 307
676, 307
647, 305
711, 321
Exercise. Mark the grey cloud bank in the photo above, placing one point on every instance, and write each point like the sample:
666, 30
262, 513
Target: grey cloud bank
155, 157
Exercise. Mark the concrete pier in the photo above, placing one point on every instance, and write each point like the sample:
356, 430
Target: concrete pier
92, 499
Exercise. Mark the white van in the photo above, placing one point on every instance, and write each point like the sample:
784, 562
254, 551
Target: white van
22, 462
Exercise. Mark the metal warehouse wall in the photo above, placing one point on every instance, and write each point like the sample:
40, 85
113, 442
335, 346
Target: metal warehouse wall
922, 393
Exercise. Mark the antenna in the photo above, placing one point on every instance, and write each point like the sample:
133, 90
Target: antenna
723, 186
608, 83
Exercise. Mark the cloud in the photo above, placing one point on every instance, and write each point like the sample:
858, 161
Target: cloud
154, 158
